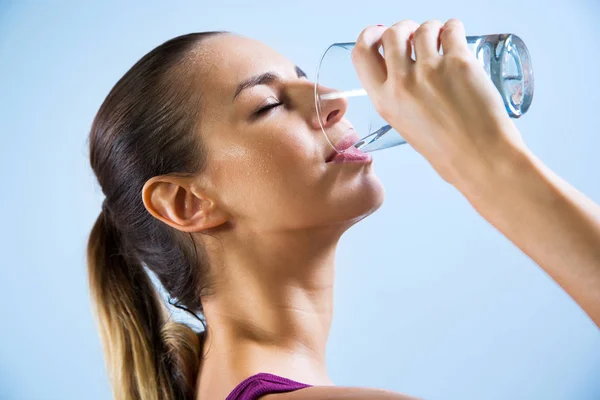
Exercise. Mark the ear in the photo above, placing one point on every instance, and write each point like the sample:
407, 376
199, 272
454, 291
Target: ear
181, 205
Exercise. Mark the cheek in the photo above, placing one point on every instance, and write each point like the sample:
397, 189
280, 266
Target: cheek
267, 177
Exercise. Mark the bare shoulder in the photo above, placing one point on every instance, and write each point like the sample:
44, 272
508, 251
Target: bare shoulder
339, 393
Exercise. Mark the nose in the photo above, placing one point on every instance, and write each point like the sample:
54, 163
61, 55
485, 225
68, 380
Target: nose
329, 111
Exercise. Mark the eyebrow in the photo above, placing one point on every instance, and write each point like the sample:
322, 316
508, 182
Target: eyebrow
266, 78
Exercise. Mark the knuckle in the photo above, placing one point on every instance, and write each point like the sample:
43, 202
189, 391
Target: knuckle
399, 78
423, 28
453, 22
448, 29
362, 42
405, 24
403, 28
390, 35
433, 23
425, 71
408, 88
419, 33
361, 45
451, 26
427, 66
429, 26
459, 62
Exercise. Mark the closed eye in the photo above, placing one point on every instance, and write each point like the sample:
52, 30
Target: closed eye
267, 108
301, 74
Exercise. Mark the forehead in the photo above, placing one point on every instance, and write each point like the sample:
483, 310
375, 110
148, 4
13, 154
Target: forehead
227, 60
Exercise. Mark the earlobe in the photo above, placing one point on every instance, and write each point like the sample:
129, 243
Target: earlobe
180, 205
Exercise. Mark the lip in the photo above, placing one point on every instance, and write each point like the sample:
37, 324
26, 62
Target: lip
350, 154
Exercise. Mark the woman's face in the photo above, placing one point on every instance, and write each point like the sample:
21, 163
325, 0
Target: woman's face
267, 168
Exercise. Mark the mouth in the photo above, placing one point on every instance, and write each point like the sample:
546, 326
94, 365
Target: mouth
344, 143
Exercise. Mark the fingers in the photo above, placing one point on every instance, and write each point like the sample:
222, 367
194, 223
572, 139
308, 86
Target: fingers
453, 37
396, 45
369, 63
426, 39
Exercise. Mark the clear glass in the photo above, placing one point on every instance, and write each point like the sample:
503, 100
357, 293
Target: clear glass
504, 57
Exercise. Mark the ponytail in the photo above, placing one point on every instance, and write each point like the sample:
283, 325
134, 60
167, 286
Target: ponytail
146, 357
148, 126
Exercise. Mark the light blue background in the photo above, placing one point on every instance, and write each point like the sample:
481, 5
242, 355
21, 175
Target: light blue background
431, 300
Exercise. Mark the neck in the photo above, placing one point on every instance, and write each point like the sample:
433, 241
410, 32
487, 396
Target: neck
273, 305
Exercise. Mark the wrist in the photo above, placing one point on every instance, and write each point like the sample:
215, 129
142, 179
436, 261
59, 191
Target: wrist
500, 169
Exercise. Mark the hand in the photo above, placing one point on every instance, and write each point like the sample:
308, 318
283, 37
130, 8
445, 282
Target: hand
445, 106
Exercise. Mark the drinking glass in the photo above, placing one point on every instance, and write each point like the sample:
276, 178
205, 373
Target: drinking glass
504, 57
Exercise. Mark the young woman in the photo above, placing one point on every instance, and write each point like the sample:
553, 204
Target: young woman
218, 179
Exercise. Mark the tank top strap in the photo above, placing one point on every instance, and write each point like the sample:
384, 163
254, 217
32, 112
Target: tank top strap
261, 384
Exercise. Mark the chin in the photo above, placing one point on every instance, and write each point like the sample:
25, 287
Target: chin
372, 200
360, 200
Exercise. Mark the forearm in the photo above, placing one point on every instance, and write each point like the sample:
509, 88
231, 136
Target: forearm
554, 224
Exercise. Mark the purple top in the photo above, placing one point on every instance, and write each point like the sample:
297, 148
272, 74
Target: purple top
263, 383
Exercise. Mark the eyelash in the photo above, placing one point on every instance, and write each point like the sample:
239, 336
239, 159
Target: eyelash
267, 108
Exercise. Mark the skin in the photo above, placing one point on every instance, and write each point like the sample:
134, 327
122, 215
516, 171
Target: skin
270, 211
473, 144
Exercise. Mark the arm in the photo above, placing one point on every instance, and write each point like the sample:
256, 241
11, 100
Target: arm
470, 140
554, 224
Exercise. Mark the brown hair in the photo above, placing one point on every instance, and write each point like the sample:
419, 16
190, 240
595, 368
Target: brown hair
147, 126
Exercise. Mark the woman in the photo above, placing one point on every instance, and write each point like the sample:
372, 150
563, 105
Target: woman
216, 178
